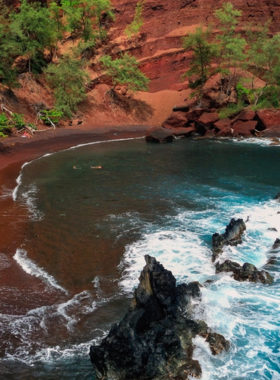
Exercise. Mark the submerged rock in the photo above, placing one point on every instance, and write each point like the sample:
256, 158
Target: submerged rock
217, 343
247, 272
154, 339
232, 236
277, 197
159, 135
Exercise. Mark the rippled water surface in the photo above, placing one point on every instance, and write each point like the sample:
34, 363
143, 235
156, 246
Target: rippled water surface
86, 231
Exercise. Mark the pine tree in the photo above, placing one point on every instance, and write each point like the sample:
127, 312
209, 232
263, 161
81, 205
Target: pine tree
8, 50
232, 45
264, 62
68, 79
204, 53
125, 71
85, 16
32, 29
58, 26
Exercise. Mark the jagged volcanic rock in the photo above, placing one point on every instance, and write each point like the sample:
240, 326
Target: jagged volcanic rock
154, 339
232, 236
247, 272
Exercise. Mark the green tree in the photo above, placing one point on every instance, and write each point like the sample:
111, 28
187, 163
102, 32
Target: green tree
204, 53
68, 78
232, 45
85, 16
8, 49
125, 71
137, 22
102, 8
263, 62
32, 29
4, 125
59, 27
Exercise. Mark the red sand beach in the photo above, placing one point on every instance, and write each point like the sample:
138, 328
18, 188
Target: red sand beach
14, 152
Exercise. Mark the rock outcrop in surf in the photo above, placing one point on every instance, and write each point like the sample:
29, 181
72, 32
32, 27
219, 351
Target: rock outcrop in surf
154, 339
232, 236
245, 272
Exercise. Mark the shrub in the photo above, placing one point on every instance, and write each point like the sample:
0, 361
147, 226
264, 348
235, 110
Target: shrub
32, 126
4, 125
68, 79
51, 116
269, 98
125, 71
18, 120
137, 22
232, 109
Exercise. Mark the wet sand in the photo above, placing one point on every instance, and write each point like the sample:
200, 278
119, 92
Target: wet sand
14, 152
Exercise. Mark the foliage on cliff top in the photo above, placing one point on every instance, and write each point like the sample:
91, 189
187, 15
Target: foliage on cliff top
33, 32
257, 52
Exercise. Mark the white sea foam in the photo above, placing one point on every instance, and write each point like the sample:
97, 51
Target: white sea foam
6, 193
245, 313
5, 262
19, 181
53, 354
80, 303
174, 249
40, 322
34, 270
257, 141
29, 198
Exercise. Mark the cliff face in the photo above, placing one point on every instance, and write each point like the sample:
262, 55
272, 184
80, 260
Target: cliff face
159, 50
167, 21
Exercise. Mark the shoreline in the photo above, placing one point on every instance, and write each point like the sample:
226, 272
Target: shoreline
15, 151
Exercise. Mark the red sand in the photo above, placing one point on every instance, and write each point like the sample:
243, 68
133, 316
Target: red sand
15, 151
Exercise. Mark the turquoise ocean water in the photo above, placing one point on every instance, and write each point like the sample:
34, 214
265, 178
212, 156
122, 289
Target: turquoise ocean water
88, 230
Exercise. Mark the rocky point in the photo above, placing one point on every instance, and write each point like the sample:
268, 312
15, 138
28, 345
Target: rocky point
154, 339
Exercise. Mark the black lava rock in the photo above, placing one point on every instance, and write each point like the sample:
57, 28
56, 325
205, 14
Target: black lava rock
247, 272
154, 339
232, 236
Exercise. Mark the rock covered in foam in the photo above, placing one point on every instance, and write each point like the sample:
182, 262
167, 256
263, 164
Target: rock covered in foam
232, 236
154, 339
246, 272
277, 197
276, 244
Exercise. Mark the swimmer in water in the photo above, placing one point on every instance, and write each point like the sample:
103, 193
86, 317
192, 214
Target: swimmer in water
96, 167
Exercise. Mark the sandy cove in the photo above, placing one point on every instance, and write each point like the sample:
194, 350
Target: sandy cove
14, 152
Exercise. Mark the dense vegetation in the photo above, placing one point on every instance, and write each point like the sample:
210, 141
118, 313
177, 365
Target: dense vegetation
35, 31
246, 57
248, 62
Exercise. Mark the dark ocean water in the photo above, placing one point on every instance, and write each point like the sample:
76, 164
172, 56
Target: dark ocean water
88, 229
